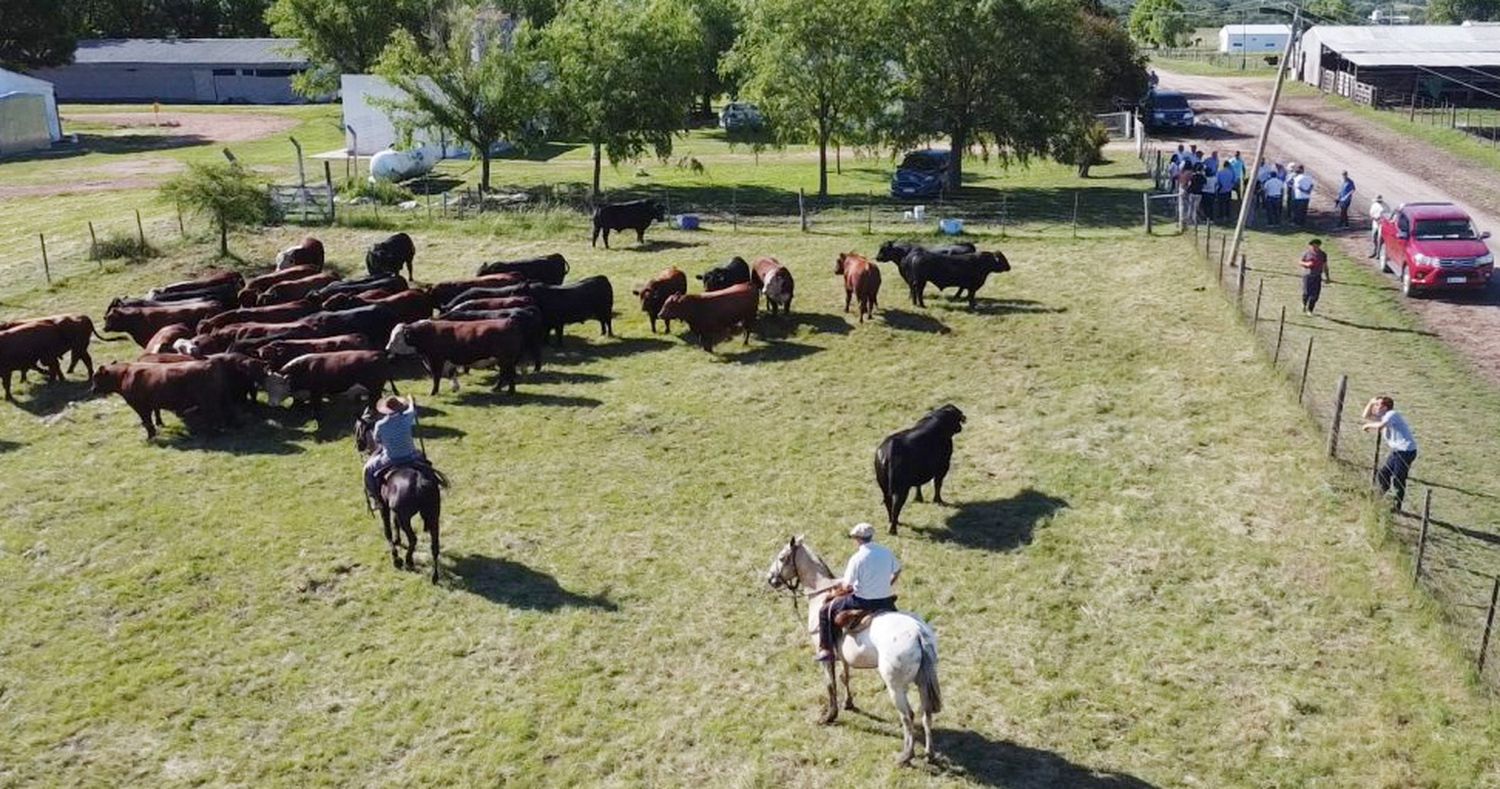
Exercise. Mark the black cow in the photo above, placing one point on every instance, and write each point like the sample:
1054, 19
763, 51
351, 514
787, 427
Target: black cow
373, 322
911, 458
374, 282
720, 277
590, 298
964, 272
388, 256
549, 268
503, 292
896, 251
533, 329
635, 215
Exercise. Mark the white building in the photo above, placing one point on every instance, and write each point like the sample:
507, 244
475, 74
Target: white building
28, 113
181, 71
373, 126
1254, 39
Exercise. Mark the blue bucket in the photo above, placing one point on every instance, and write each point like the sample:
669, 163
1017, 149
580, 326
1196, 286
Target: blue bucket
687, 221
951, 227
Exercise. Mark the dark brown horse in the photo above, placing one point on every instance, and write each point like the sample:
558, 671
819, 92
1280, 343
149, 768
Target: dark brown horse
405, 492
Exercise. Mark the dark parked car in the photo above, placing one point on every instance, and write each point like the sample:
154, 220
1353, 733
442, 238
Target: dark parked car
921, 174
1168, 109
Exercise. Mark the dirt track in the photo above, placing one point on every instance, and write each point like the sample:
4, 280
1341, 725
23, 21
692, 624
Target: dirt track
1329, 140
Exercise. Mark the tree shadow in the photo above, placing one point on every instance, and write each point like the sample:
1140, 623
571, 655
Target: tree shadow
1473, 534
542, 152
9, 446
486, 396
1003, 763
111, 144
781, 326
913, 321
1001, 524
561, 377
778, 351
1368, 327
513, 584
433, 184
1455, 489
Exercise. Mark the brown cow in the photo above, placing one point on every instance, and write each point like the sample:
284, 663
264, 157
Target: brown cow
278, 352
164, 340
307, 252
262, 283
141, 323
320, 375
443, 292
76, 330
275, 313
409, 305
199, 388
294, 289
498, 303
228, 337
654, 293
774, 280
244, 373
31, 345
861, 280
205, 282
713, 316
446, 345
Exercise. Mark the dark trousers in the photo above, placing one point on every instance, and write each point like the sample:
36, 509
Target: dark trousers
1393, 473
1273, 210
1312, 288
1343, 214
828, 632
1299, 212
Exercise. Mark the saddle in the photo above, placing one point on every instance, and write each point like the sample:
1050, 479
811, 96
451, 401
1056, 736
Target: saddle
851, 622
422, 465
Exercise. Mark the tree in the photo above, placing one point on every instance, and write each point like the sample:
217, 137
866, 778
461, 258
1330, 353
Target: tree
1116, 68
814, 67
343, 36
720, 22
168, 18
1081, 144
34, 33
1456, 11
228, 194
1335, 11
1006, 75
480, 91
623, 75
1158, 23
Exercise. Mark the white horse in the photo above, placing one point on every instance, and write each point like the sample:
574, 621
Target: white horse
901, 646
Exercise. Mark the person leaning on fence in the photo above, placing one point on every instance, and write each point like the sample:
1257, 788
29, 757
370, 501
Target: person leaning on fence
1345, 197
1378, 211
1315, 261
1381, 414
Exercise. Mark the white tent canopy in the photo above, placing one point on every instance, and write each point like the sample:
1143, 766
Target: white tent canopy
29, 120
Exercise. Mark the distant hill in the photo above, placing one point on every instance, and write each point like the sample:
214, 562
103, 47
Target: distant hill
1213, 14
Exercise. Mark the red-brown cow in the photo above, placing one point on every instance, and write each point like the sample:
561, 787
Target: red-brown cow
76, 330
498, 303
654, 293
141, 323
200, 388
278, 352
262, 283
274, 313
774, 280
447, 345
307, 252
861, 281
206, 282
315, 376
714, 316
31, 345
244, 374
232, 336
443, 292
164, 340
294, 289
408, 305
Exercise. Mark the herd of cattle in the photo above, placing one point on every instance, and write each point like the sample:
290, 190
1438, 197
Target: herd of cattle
302, 332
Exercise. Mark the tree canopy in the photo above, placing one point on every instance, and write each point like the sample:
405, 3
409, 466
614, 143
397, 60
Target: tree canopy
344, 36
1158, 23
1456, 11
34, 33
227, 193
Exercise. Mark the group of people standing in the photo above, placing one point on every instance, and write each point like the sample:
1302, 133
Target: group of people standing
1207, 186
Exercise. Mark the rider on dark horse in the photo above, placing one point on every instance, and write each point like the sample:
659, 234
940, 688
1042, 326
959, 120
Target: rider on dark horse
866, 586
393, 437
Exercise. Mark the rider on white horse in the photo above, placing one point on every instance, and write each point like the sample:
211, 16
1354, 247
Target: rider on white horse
866, 586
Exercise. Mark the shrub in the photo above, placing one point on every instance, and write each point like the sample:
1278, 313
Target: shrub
124, 245
228, 193
382, 192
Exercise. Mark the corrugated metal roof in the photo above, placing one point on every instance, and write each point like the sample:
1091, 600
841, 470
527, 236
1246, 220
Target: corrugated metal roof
12, 81
206, 51
1425, 59
1256, 30
1345, 39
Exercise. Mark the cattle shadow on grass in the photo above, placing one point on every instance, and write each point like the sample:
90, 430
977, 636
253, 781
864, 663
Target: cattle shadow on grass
251, 437
1003, 763
487, 396
45, 398
576, 351
778, 351
653, 245
991, 306
913, 321
513, 584
563, 377
781, 326
1000, 524
9, 446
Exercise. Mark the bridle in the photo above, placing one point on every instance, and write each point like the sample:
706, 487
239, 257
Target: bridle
781, 583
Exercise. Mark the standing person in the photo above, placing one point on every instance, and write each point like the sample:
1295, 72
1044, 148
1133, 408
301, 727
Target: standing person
1378, 211
866, 586
1184, 188
1315, 261
393, 433
1238, 165
1273, 188
1345, 197
1202, 197
1228, 183
1302, 189
1381, 414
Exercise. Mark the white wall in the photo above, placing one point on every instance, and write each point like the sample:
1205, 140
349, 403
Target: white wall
1255, 43
11, 82
376, 131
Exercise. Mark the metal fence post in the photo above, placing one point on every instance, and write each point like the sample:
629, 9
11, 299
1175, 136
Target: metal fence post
1489, 621
1306, 363
46, 267
1422, 538
802, 209
1280, 328
93, 244
1146, 204
1239, 291
1375, 465
1260, 289
1338, 415
140, 229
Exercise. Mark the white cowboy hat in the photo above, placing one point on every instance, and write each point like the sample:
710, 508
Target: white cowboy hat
863, 531
391, 405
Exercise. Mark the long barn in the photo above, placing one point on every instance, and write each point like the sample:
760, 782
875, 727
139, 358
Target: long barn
1386, 65
181, 71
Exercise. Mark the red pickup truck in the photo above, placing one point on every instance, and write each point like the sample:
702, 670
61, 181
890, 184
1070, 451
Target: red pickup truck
1433, 246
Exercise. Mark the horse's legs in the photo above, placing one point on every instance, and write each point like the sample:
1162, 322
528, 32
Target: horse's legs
404, 521
927, 732
937, 487
848, 692
919, 493
391, 538
908, 735
831, 713
430, 522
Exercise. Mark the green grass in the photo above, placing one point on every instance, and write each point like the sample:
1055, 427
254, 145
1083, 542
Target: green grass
1148, 569
1454, 141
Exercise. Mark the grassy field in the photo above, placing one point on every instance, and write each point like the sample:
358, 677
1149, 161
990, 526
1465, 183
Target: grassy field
1455, 141
1148, 575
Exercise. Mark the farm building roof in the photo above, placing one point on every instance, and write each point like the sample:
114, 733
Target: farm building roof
197, 51
1432, 46
1257, 30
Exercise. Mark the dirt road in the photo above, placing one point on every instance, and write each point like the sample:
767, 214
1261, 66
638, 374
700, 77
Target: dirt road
1328, 140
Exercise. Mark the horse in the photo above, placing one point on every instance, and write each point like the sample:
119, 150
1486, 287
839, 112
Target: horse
899, 645
405, 491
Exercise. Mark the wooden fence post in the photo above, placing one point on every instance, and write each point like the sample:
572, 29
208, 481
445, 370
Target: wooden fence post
1239, 291
46, 267
1375, 465
870, 212
1338, 415
181, 227
328, 183
93, 245
1146, 204
1422, 538
1075, 214
1489, 621
802, 209
140, 229
1306, 363
1260, 289
1280, 329
1223, 248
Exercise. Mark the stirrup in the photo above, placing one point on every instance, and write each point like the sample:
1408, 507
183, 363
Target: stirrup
823, 656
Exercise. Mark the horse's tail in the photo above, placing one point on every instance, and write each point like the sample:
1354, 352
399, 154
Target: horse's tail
927, 677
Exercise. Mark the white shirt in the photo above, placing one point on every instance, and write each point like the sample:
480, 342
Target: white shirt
870, 571
1377, 212
1272, 187
1397, 433
1304, 184
1266, 171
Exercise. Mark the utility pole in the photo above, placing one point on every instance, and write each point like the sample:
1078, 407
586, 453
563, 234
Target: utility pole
1265, 131
1244, 46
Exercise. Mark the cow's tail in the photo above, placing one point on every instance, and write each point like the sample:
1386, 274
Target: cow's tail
927, 676
99, 336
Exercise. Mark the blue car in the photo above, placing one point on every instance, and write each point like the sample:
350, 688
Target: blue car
921, 174
1168, 109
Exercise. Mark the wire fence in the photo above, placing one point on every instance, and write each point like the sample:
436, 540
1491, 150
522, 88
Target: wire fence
1443, 552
